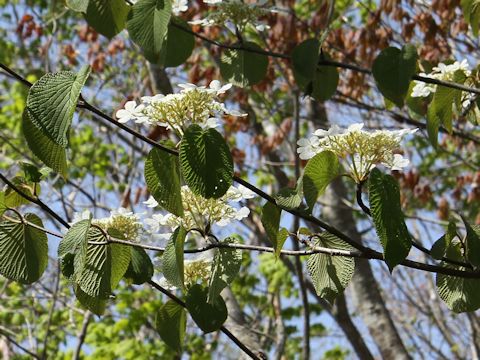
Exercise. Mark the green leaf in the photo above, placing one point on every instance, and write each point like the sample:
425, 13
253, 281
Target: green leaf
459, 294
52, 101
3, 206
243, 68
23, 250
325, 81
304, 61
471, 13
225, 267
171, 323
330, 274
31, 172
440, 246
162, 176
78, 5
290, 199
172, 260
178, 44
72, 250
319, 172
95, 305
147, 25
104, 266
388, 218
271, 222
472, 243
208, 316
108, 17
205, 162
140, 269
393, 69
440, 110
13, 199
49, 152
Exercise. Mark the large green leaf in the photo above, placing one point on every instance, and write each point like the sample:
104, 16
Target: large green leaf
304, 61
147, 25
178, 44
440, 110
472, 243
72, 250
271, 222
288, 198
94, 304
440, 246
23, 250
52, 101
384, 196
163, 180
393, 69
108, 17
205, 162
319, 172
243, 68
171, 322
49, 152
140, 269
460, 294
172, 260
330, 274
208, 316
104, 266
225, 267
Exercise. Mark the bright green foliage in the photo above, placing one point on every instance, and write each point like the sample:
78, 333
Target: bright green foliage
387, 214
140, 269
172, 260
393, 69
471, 13
178, 44
290, 198
319, 172
440, 110
78, 5
162, 175
459, 294
243, 68
108, 17
319, 81
23, 249
330, 274
52, 101
440, 246
104, 266
205, 162
94, 304
171, 323
208, 316
72, 250
271, 221
225, 267
13, 199
147, 25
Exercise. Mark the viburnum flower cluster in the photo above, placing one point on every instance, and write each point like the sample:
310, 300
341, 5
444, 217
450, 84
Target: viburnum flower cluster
236, 12
125, 222
199, 212
192, 105
362, 149
440, 72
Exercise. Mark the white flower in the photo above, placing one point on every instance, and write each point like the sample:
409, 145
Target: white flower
216, 86
151, 202
308, 148
84, 215
239, 193
131, 111
362, 149
212, 2
179, 6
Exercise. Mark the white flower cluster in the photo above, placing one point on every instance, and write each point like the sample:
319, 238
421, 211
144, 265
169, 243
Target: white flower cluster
364, 150
125, 222
195, 269
192, 105
200, 212
236, 12
440, 72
